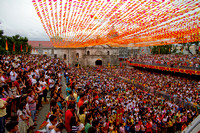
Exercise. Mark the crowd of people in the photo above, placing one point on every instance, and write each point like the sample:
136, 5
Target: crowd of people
172, 60
97, 100
102, 94
186, 89
24, 81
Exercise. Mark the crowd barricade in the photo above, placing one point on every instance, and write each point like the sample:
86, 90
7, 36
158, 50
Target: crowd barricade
165, 65
165, 68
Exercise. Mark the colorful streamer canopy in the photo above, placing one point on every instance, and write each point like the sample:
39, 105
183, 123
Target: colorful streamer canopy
80, 23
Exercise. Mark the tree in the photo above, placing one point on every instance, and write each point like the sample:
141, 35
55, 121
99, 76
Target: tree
163, 49
174, 49
17, 40
1, 34
185, 44
2, 40
196, 43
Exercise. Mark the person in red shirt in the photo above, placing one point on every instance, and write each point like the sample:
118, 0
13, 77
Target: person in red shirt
148, 127
16, 83
68, 114
81, 100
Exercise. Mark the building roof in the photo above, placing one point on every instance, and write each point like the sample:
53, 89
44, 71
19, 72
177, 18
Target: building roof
43, 43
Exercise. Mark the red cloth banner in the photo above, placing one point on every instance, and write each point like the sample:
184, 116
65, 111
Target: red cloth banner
120, 113
21, 48
6, 45
13, 47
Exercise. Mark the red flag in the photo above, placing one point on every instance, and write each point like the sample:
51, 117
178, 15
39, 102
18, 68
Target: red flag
199, 48
21, 48
48, 114
43, 124
6, 45
13, 47
182, 49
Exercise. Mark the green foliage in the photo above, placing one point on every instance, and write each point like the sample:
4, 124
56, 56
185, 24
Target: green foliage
17, 40
164, 49
182, 40
169, 49
197, 47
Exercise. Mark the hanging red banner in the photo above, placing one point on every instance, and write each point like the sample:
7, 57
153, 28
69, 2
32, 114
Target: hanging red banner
119, 115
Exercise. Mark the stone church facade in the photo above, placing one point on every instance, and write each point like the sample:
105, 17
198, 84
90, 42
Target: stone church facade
88, 56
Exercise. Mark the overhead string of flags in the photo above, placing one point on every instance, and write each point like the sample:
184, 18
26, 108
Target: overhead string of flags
80, 23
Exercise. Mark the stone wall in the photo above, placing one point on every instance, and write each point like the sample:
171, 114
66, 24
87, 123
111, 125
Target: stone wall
107, 54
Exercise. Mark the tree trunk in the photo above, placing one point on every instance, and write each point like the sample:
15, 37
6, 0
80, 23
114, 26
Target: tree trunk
188, 48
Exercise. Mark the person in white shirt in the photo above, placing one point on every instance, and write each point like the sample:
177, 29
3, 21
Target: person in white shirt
13, 74
3, 80
33, 80
43, 83
51, 83
32, 72
52, 123
28, 114
37, 72
58, 128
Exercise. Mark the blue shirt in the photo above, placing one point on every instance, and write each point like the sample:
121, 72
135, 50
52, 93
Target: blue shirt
67, 79
127, 128
68, 89
78, 99
124, 119
60, 105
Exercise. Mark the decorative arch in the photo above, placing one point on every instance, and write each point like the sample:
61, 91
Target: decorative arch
98, 62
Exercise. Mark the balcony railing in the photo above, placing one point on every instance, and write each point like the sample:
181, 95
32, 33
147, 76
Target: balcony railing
172, 65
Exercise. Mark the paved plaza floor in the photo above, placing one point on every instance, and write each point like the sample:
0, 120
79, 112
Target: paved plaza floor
46, 108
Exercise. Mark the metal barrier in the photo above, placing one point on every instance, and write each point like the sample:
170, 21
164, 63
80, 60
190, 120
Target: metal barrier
165, 65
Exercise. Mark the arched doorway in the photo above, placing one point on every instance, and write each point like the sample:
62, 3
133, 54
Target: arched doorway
77, 65
98, 62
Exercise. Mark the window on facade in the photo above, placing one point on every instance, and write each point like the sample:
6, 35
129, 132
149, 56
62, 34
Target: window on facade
88, 52
65, 56
108, 52
77, 55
